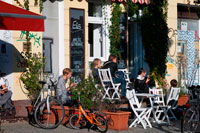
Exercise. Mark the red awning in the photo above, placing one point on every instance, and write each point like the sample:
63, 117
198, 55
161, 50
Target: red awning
135, 1
15, 18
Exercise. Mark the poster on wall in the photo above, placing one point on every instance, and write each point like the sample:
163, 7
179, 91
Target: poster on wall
77, 42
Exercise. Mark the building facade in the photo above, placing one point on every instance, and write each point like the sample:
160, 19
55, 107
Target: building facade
76, 32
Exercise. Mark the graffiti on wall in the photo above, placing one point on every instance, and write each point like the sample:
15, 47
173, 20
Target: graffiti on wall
32, 36
189, 36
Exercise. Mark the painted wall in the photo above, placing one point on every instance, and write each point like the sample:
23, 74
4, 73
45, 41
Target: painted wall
172, 23
17, 49
52, 32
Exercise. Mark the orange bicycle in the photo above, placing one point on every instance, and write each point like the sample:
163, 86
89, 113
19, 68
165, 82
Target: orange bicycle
80, 119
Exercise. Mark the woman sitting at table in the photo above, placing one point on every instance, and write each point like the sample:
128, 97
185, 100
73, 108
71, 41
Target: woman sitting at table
141, 83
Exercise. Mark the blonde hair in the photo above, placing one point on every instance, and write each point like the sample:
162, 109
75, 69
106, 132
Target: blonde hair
67, 71
95, 62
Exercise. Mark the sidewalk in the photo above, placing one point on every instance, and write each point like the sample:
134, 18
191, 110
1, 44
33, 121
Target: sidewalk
25, 127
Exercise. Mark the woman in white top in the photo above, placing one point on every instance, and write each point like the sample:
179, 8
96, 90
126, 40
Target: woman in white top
141, 83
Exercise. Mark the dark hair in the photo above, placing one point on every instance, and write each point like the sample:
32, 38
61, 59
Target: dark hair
173, 83
111, 57
141, 70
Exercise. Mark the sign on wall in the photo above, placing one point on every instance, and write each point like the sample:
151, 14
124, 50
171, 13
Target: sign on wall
77, 42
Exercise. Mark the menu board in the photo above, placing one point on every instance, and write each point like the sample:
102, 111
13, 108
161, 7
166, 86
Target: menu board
77, 42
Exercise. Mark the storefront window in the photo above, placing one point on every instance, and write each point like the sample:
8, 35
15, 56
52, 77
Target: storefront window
95, 40
98, 41
95, 9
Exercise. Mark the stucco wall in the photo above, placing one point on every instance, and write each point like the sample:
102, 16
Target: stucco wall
17, 92
172, 23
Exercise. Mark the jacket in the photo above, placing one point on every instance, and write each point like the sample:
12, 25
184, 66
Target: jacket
112, 66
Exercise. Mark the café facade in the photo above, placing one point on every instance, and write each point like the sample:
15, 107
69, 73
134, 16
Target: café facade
76, 32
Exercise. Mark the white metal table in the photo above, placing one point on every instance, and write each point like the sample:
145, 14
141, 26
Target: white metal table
151, 98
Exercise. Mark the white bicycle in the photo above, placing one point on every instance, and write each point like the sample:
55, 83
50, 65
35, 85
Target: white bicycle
45, 113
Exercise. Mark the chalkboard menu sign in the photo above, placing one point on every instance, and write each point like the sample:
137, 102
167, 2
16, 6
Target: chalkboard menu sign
77, 42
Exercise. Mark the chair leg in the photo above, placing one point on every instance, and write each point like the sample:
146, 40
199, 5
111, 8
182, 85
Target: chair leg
106, 94
147, 118
166, 115
173, 115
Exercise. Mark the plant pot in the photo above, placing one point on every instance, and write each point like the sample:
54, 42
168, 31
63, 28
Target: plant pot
30, 113
57, 110
117, 120
68, 112
183, 100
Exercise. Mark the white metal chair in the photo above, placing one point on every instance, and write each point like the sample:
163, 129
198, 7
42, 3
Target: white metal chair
172, 99
108, 84
159, 105
140, 112
126, 76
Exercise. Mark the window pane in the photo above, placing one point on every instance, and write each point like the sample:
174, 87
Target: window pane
95, 40
95, 9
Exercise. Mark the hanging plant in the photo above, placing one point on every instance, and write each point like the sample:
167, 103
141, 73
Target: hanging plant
131, 8
26, 4
154, 32
115, 30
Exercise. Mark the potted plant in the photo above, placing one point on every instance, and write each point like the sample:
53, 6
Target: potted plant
117, 119
183, 97
91, 98
31, 77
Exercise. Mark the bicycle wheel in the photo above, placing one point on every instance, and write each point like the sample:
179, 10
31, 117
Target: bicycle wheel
190, 120
51, 119
104, 124
73, 121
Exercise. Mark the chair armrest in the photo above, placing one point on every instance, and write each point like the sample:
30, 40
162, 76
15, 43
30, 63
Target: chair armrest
118, 84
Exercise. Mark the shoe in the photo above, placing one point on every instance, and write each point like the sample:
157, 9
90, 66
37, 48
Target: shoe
10, 112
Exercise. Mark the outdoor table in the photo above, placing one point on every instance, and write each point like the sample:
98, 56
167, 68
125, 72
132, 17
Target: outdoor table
151, 98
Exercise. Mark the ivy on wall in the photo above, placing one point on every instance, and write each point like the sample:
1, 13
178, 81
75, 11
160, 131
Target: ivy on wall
154, 31
114, 30
26, 3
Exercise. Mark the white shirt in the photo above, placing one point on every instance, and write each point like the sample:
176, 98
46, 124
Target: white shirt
140, 77
2, 82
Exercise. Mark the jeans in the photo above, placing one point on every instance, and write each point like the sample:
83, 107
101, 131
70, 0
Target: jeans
120, 79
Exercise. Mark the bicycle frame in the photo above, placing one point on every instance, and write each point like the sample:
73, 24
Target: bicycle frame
41, 97
91, 118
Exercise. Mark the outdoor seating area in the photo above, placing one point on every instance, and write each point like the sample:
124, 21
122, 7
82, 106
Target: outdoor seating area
158, 110
100, 65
